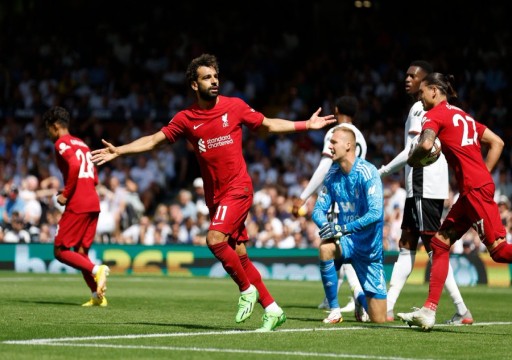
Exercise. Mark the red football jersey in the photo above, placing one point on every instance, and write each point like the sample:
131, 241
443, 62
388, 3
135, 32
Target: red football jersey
79, 173
460, 138
216, 135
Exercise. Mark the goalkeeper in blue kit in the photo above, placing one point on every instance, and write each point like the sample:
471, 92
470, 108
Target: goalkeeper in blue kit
355, 185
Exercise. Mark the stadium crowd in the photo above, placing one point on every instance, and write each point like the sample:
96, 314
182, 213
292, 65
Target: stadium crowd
124, 79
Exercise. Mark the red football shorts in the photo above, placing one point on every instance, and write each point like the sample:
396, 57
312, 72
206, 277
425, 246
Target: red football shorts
229, 214
76, 229
476, 209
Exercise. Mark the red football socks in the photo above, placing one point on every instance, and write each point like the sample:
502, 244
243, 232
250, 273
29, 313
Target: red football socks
255, 278
502, 253
75, 260
231, 263
438, 272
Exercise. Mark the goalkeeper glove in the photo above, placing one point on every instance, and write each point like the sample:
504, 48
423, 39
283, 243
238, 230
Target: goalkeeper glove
331, 231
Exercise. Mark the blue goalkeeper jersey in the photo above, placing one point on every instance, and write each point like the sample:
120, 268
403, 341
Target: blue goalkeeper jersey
360, 200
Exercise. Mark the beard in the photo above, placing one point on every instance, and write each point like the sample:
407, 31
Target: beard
207, 95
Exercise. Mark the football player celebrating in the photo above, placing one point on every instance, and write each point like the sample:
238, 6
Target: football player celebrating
213, 125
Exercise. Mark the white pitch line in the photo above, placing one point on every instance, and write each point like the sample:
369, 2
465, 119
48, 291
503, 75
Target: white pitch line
76, 342
221, 350
208, 333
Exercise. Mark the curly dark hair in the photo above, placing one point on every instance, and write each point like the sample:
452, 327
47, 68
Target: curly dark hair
56, 114
207, 60
347, 105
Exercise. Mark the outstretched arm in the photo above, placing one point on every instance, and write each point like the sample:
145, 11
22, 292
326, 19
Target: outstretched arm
314, 183
317, 179
398, 161
143, 144
285, 126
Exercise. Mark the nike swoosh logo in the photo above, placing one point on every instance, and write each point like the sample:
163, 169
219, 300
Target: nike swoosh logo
197, 126
217, 223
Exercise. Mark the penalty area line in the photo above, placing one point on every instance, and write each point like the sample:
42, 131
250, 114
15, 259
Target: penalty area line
78, 341
228, 332
222, 350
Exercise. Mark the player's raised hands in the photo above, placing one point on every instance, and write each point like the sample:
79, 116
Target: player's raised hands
318, 122
101, 156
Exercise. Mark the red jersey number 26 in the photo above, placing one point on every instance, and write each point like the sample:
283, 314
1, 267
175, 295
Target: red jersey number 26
86, 164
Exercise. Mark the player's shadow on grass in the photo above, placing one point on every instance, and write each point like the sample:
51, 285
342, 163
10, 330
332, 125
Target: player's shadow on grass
302, 307
42, 302
189, 326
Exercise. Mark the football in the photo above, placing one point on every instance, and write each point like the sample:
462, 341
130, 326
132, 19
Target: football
435, 152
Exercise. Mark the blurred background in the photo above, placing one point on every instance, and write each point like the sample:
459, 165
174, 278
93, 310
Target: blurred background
119, 68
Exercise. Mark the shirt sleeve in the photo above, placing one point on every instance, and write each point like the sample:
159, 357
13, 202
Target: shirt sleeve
317, 178
251, 118
375, 200
175, 128
322, 206
398, 161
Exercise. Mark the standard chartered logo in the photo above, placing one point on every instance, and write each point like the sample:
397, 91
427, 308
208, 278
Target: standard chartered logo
202, 147
214, 143
219, 141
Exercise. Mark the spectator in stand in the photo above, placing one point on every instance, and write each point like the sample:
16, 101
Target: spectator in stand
134, 206
504, 207
503, 184
162, 231
45, 234
147, 185
16, 232
191, 230
107, 218
13, 204
273, 230
33, 208
161, 213
187, 205
202, 224
143, 233
178, 234
118, 205
198, 196
175, 214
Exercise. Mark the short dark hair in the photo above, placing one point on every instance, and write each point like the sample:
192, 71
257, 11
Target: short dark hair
56, 114
207, 60
347, 105
425, 65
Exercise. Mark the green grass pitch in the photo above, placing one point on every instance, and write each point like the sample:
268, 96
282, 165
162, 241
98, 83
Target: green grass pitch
158, 317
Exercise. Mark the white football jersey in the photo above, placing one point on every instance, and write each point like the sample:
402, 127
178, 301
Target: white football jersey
431, 181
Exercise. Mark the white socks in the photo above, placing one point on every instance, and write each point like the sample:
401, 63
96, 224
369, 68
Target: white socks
353, 280
249, 290
453, 289
401, 271
273, 308
341, 276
